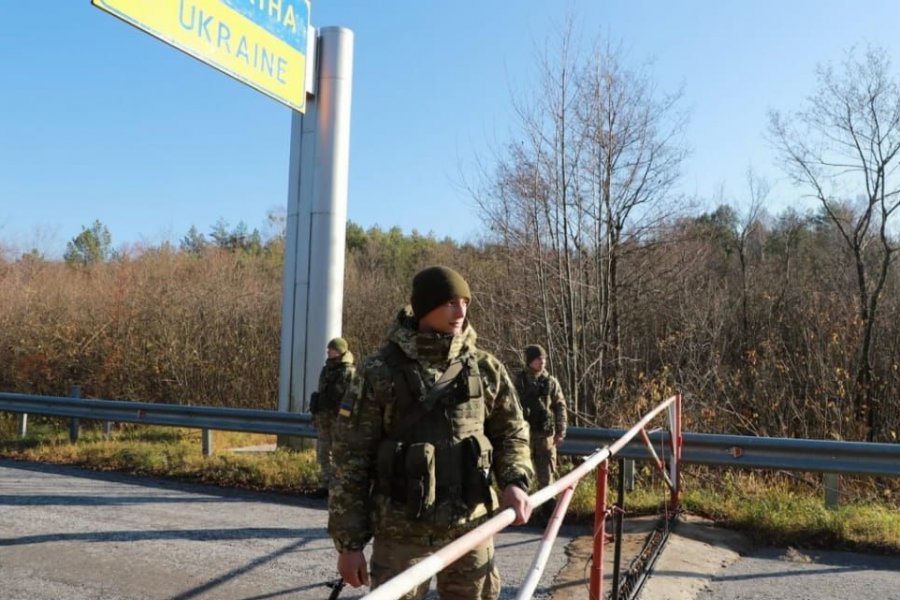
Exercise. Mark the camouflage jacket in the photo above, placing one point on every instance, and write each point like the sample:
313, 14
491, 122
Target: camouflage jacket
334, 379
528, 383
356, 510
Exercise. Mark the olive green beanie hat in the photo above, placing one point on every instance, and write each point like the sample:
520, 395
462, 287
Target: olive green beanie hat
534, 351
434, 286
339, 344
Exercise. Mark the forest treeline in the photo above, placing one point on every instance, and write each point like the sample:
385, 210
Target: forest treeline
778, 324
758, 327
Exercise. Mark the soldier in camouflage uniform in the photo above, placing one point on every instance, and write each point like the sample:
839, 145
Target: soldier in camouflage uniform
429, 422
334, 380
545, 410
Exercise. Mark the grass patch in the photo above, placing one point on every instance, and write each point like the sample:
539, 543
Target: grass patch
777, 510
770, 508
169, 452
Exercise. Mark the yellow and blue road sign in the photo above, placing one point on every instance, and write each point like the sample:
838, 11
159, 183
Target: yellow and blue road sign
262, 43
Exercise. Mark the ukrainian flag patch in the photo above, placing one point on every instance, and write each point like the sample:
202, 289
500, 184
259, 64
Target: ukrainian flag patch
346, 409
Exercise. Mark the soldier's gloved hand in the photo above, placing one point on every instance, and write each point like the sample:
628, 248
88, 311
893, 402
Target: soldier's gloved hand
516, 498
353, 568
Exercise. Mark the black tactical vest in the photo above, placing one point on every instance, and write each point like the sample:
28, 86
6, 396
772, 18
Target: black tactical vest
329, 398
435, 459
536, 403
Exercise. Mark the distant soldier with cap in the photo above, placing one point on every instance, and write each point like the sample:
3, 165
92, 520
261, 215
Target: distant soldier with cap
334, 380
545, 410
429, 423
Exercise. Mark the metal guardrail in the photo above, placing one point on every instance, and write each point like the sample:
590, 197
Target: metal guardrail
151, 413
749, 452
860, 458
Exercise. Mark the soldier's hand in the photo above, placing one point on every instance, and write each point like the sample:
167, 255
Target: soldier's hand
353, 568
558, 439
516, 498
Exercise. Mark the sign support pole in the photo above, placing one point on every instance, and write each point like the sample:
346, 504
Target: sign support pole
316, 221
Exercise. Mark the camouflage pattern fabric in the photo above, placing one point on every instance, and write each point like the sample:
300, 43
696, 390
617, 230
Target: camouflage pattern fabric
355, 512
543, 455
334, 380
543, 452
473, 577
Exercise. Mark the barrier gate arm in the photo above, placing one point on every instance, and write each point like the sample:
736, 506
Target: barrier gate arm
543, 554
423, 571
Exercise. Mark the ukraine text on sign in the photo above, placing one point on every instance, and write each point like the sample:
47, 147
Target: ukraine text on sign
260, 42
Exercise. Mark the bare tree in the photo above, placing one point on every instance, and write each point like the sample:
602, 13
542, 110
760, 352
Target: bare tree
748, 230
634, 142
592, 170
842, 145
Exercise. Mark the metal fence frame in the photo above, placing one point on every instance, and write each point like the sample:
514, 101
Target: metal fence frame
748, 452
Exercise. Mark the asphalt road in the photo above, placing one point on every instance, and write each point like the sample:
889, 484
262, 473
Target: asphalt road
776, 573
704, 562
76, 534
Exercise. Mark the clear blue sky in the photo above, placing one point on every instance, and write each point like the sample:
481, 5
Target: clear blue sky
101, 121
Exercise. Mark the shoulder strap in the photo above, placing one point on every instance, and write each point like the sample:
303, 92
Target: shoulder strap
413, 411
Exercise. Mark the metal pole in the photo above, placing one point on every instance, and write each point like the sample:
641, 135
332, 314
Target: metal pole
620, 518
316, 222
629, 474
23, 425
596, 588
75, 392
832, 489
677, 445
546, 546
207, 442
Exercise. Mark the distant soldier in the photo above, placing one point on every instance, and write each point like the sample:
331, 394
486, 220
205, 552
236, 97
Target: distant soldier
545, 410
334, 380
429, 422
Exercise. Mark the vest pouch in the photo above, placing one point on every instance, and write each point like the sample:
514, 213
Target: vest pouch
420, 480
478, 456
314, 403
539, 418
389, 469
544, 422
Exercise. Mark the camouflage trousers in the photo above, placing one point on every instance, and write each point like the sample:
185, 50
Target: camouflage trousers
473, 577
543, 455
325, 425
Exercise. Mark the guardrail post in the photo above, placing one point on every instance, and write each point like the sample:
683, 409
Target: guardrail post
207, 442
107, 430
74, 425
620, 518
832, 489
596, 588
23, 425
628, 472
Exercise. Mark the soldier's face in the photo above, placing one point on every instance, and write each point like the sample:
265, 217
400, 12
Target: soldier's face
538, 364
332, 353
446, 318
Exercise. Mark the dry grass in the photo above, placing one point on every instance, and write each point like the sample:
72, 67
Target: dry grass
162, 328
167, 452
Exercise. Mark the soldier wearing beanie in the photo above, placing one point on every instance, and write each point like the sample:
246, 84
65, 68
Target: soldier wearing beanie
325, 402
545, 410
428, 424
